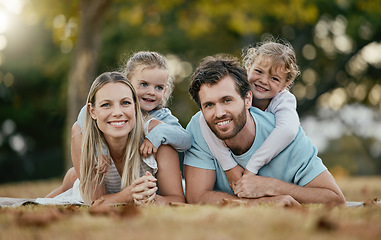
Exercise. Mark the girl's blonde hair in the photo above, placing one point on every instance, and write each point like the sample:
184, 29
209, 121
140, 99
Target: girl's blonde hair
281, 53
92, 139
150, 60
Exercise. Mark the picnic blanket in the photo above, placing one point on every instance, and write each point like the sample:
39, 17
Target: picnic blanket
70, 197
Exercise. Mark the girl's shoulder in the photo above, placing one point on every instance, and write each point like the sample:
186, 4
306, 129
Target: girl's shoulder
284, 99
285, 94
165, 115
160, 113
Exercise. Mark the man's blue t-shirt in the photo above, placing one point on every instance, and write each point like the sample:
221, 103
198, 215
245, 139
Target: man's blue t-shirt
298, 163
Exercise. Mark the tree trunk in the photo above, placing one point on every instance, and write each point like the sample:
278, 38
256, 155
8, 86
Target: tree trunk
83, 68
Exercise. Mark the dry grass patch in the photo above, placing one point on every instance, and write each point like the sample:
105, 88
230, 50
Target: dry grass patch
193, 221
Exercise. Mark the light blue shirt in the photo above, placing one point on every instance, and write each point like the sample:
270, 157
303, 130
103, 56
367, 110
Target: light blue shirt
298, 163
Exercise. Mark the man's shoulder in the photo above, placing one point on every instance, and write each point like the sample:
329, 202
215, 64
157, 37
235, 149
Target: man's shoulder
195, 120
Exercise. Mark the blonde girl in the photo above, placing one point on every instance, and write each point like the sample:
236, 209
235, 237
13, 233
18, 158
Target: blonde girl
149, 74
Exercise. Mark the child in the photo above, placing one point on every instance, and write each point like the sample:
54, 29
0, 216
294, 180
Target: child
271, 68
148, 73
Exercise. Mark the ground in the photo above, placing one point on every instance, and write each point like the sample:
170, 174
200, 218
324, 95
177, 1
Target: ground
228, 221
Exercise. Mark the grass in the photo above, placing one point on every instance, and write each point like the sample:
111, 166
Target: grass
192, 221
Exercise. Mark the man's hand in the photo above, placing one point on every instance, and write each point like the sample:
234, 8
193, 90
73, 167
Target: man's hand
147, 148
254, 186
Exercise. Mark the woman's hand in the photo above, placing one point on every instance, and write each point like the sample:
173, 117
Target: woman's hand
144, 189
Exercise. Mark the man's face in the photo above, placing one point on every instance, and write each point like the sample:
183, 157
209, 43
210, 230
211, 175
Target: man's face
223, 108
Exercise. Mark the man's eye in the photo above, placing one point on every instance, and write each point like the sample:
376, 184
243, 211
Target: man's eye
208, 105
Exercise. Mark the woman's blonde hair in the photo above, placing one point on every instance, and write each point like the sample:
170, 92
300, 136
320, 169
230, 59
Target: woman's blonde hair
93, 138
279, 51
150, 60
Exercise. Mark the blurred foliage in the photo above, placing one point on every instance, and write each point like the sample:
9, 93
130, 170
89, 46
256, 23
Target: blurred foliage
331, 40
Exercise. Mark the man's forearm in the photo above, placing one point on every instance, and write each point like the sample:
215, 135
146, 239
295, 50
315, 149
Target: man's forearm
213, 197
322, 189
308, 194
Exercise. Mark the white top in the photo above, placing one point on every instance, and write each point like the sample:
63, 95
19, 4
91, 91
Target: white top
283, 106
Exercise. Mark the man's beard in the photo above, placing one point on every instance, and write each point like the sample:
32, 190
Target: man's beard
239, 122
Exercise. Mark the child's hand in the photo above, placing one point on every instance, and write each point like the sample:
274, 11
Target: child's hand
234, 175
147, 148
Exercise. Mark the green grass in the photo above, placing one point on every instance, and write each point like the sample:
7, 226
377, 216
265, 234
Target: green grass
192, 221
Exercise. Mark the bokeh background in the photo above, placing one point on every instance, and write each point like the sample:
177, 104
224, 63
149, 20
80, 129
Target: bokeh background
50, 52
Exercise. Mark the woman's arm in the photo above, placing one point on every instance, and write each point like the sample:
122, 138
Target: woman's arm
76, 144
168, 176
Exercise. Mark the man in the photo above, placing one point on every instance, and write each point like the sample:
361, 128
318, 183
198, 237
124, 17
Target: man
220, 88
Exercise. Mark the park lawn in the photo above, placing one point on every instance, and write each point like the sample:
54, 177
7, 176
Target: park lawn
228, 221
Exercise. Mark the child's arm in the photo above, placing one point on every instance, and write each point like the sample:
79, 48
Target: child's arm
170, 133
147, 148
283, 105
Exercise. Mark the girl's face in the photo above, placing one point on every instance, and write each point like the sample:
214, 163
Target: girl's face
150, 86
266, 80
114, 110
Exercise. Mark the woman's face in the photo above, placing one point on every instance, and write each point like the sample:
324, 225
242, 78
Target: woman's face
114, 110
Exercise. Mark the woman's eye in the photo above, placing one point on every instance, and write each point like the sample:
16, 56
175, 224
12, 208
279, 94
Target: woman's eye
105, 105
126, 103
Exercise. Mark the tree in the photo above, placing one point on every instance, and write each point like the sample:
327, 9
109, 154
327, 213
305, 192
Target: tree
85, 61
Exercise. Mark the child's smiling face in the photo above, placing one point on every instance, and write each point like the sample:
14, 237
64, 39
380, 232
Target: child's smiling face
266, 80
150, 85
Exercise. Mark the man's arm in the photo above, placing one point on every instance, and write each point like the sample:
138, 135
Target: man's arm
199, 186
199, 189
322, 189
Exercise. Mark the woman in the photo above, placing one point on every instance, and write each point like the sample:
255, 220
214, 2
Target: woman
113, 118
